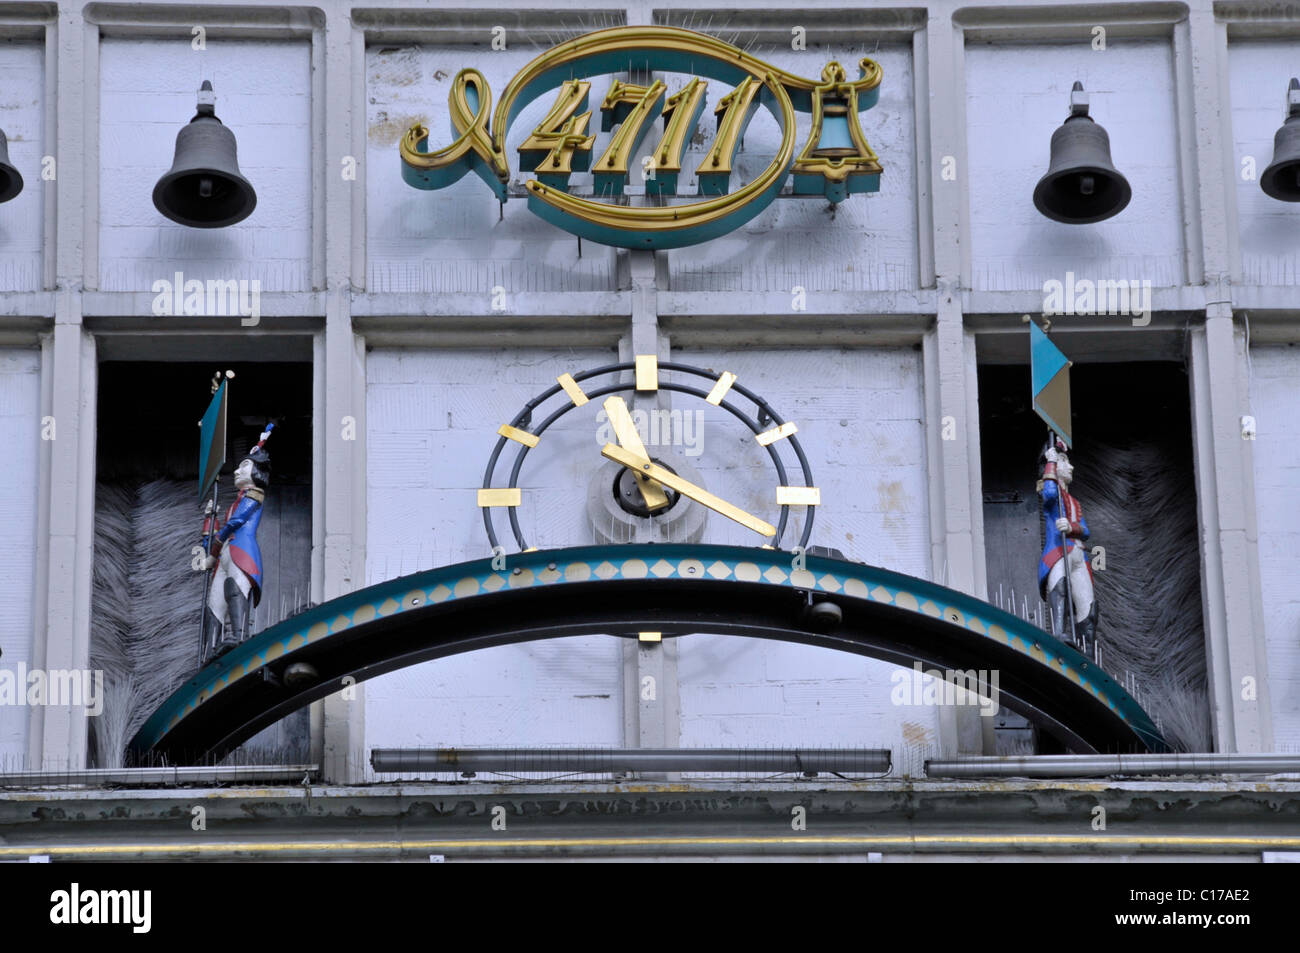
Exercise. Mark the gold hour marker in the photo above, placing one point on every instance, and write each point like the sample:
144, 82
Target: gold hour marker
798, 496
503, 496
649, 636
647, 372
776, 433
720, 388
519, 436
572, 389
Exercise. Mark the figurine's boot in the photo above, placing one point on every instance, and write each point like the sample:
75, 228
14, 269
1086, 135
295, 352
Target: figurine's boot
212, 628
1060, 620
238, 611
234, 604
1087, 629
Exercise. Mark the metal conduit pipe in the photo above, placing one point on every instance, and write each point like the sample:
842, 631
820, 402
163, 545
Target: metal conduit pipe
1100, 765
856, 761
200, 774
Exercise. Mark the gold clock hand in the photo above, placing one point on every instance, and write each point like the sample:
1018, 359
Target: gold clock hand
625, 430
640, 463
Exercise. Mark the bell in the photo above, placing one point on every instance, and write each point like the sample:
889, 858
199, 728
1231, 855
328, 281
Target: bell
1081, 184
11, 182
204, 188
1281, 179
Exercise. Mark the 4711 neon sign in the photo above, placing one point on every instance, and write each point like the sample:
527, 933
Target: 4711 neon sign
835, 161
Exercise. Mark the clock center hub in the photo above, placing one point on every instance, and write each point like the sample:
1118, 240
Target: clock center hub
627, 492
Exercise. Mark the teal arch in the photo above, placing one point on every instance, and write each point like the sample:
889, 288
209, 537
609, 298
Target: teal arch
617, 589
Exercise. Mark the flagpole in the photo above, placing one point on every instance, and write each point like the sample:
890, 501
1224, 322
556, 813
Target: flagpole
1065, 545
209, 527
209, 456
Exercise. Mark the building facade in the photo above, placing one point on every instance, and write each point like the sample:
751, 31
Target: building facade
399, 328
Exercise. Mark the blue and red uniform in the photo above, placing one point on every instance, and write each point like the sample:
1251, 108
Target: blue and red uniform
1052, 547
240, 534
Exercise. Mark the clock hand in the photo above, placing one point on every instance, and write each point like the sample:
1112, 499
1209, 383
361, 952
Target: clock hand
638, 463
630, 440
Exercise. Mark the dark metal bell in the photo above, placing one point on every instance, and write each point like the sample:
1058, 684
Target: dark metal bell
204, 188
1082, 185
11, 182
1281, 179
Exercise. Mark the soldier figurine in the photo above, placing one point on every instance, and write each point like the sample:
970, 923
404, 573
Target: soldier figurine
1064, 522
234, 558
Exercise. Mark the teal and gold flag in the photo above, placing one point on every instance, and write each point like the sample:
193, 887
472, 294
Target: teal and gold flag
1050, 372
212, 441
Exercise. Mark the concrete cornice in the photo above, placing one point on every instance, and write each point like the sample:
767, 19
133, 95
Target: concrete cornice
1169, 819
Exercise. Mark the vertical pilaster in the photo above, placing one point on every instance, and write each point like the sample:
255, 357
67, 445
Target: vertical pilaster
1225, 488
63, 633
342, 429
62, 638
1237, 659
951, 391
651, 709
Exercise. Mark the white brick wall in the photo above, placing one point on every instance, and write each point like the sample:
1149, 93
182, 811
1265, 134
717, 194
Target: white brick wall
861, 424
148, 91
432, 418
1016, 97
869, 245
1274, 397
22, 117
1258, 74
20, 436
450, 240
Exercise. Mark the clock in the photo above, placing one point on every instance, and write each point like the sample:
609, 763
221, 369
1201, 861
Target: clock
635, 495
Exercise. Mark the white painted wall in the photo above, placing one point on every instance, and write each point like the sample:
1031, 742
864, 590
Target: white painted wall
22, 117
20, 371
148, 90
1274, 397
1016, 96
869, 242
861, 422
1258, 74
431, 422
451, 240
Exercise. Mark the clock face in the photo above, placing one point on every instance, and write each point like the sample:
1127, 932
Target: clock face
641, 480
